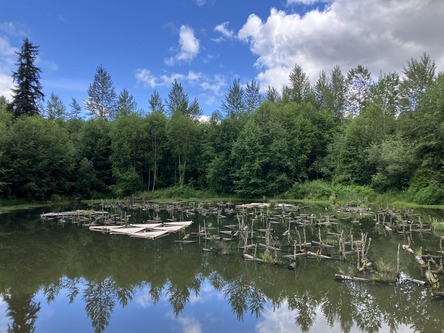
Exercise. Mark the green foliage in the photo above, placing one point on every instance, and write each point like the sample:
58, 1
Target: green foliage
433, 194
182, 139
312, 190
300, 144
39, 158
129, 148
94, 144
86, 178
156, 123
385, 273
320, 190
127, 182
395, 163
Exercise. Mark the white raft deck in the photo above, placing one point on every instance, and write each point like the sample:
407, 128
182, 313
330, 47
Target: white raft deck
147, 230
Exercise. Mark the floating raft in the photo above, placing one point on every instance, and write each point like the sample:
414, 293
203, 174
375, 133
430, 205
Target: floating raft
144, 230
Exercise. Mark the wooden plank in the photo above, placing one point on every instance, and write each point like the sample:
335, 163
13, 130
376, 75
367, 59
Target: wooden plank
179, 223
104, 228
126, 231
170, 229
147, 226
150, 234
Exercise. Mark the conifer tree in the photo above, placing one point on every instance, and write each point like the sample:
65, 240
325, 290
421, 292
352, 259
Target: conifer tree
101, 101
28, 91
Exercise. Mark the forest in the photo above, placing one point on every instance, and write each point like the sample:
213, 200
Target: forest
383, 135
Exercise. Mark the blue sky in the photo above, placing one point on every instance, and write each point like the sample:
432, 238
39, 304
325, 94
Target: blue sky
206, 44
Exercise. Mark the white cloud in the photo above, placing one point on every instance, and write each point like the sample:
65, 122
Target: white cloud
201, 3
8, 58
188, 46
379, 34
143, 300
188, 324
13, 29
306, 2
223, 29
210, 83
145, 78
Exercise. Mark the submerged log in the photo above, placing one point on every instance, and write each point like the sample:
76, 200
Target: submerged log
438, 294
420, 261
339, 277
319, 244
249, 257
317, 255
420, 282
407, 248
292, 266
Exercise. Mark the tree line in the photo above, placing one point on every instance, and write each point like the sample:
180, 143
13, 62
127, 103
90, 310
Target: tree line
387, 134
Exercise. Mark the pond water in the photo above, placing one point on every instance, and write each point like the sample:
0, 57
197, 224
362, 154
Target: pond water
62, 277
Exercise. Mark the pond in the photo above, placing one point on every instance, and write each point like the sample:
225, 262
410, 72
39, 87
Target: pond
57, 276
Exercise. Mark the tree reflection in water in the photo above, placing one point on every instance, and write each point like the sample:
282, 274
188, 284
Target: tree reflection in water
169, 273
355, 305
22, 310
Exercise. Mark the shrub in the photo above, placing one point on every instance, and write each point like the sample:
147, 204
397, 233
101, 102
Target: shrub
430, 195
312, 190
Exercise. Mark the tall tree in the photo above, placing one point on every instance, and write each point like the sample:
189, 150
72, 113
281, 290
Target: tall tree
234, 103
126, 104
358, 81
299, 89
155, 103
418, 75
55, 109
338, 90
101, 101
182, 134
28, 90
272, 94
385, 93
253, 96
76, 109
156, 127
129, 154
177, 99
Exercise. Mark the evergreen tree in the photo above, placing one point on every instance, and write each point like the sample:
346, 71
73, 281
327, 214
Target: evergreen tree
234, 103
272, 94
55, 108
299, 90
28, 90
155, 103
101, 100
253, 97
76, 109
177, 99
126, 105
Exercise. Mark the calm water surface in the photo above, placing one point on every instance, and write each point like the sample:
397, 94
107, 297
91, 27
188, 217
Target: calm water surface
64, 278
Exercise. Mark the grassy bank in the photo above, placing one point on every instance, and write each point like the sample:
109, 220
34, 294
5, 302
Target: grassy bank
316, 192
